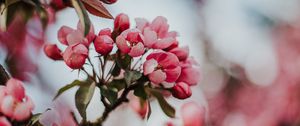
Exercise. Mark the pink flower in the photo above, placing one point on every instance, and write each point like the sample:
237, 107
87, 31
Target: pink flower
58, 4
69, 36
109, 1
14, 103
156, 33
75, 55
131, 42
181, 90
4, 121
181, 52
190, 73
62, 34
53, 52
162, 66
103, 44
192, 114
121, 22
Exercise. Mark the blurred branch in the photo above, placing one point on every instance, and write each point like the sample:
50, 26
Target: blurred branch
3, 75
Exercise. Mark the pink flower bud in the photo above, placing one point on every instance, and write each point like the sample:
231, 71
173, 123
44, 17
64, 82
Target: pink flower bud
103, 44
62, 34
181, 90
131, 42
53, 52
192, 114
105, 31
181, 52
90, 36
121, 22
109, 1
4, 121
75, 55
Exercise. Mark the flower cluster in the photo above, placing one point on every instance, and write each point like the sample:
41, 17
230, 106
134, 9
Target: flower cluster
146, 59
14, 104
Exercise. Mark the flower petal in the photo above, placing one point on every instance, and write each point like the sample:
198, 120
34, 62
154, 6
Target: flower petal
150, 37
15, 88
164, 43
137, 50
172, 74
149, 66
7, 107
157, 76
62, 34
122, 44
141, 23
22, 112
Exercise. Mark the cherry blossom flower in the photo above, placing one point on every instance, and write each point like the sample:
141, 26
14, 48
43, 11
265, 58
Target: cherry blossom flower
162, 67
181, 90
75, 55
192, 114
14, 103
131, 42
156, 33
109, 1
53, 52
121, 23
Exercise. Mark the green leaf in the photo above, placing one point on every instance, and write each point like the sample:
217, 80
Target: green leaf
82, 14
165, 106
123, 60
140, 92
131, 76
118, 84
83, 97
95, 7
67, 87
110, 94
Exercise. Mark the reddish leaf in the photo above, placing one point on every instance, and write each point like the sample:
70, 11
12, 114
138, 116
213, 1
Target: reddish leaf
95, 7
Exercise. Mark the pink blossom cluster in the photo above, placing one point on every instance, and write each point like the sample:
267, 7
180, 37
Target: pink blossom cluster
168, 63
14, 104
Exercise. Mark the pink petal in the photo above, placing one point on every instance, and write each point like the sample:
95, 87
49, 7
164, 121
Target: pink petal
172, 34
75, 37
22, 112
50, 118
169, 60
4, 121
7, 107
121, 22
137, 50
160, 26
62, 34
164, 43
172, 74
122, 44
157, 76
2, 94
181, 52
15, 88
189, 75
154, 55
150, 37
149, 66
181, 90
141, 23
192, 114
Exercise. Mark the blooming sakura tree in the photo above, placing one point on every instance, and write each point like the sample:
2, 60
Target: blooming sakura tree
145, 59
